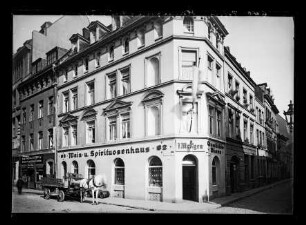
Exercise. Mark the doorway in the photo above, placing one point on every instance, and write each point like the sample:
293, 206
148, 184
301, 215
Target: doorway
234, 173
189, 178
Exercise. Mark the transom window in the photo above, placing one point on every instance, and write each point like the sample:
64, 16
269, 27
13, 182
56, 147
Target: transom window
155, 172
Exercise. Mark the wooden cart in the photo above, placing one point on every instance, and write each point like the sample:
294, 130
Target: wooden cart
70, 189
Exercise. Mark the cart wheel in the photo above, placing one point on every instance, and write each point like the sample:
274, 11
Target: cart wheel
61, 196
47, 193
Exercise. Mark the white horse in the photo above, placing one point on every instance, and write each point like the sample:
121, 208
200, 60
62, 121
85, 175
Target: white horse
94, 184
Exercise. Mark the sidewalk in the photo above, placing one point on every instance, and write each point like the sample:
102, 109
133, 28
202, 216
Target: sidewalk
185, 206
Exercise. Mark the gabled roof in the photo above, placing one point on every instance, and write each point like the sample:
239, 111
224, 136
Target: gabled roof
96, 23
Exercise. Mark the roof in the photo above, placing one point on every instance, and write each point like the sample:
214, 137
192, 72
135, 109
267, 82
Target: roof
282, 126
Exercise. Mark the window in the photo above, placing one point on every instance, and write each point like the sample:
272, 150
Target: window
86, 62
245, 100
245, 128
90, 132
23, 143
153, 121
251, 133
189, 59
230, 123
230, 82
64, 170
141, 38
112, 128
155, 172
65, 102
75, 167
158, 29
40, 140
65, 78
152, 71
31, 142
90, 93
211, 120
31, 118
74, 99
257, 135
50, 138
210, 61
218, 70
188, 24
65, 136
40, 109
125, 123
98, 56
238, 126
237, 89
74, 135
125, 81
119, 172
75, 70
126, 47
219, 122
251, 102
218, 76
246, 168
215, 170
112, 79
91, 169
111, 53
50, 105
24, 115
190, 118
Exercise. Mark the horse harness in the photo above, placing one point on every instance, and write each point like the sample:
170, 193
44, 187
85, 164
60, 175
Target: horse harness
93, 181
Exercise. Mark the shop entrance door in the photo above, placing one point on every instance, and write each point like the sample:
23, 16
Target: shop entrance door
234, 173
190, 178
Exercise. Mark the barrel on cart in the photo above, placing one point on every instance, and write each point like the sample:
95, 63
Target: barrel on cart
68, 189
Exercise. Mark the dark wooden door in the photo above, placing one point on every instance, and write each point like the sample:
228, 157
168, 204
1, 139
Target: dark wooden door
189, 183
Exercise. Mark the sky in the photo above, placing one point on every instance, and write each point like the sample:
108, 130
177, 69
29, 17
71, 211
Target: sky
263, 45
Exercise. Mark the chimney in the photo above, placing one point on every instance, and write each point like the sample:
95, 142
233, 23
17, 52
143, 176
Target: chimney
44, 27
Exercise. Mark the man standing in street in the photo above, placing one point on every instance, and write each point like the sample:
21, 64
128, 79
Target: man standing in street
19, 185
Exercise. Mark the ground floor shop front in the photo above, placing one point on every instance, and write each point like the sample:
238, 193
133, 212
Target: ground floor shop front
170, 170
34, 167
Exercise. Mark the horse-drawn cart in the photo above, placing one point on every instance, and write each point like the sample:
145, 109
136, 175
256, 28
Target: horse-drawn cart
70, 188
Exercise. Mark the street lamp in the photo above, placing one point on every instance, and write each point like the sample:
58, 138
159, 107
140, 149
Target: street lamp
290, 114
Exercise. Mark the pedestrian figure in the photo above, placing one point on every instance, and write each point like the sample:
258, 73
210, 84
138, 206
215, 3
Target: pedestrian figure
19, 185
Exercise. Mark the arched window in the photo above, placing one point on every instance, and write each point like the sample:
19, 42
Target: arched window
91, 169
188, 24
64, 170
155, 172
153, 72
153, 123
119, 171
75, 167
215, 170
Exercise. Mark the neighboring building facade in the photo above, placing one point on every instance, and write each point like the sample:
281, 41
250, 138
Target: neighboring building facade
37, 99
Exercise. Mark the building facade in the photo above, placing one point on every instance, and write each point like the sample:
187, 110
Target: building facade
37, 97
157, 104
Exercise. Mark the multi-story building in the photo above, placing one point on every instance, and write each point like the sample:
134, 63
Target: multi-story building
37, 97
126, 107
241, 151
21, 70
273, 167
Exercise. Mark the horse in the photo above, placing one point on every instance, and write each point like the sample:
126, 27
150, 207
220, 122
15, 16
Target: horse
94, 184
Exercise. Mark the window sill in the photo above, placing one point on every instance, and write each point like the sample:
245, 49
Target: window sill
125, 53
98, 66
159, 38
110, 60
142, 46
85, 71
189, 32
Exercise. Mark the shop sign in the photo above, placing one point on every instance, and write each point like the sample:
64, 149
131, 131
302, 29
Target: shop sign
109, 152
215, 147
31, 159
189, 146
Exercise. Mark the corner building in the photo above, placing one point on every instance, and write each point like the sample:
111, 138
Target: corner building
124, 107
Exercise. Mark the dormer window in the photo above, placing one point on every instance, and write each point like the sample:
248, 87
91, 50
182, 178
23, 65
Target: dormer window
125, 45
188, 24
141, 38
86, 65
111, 53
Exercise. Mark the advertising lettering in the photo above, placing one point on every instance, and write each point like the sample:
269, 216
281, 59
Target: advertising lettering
215, 147
189, 146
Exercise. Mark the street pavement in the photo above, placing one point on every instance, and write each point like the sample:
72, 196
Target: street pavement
112, 204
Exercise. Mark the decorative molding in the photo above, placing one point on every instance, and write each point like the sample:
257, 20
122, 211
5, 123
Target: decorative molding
68, 120
116, 106
89, 114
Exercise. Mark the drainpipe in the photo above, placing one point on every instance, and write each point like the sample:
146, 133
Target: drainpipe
55, 120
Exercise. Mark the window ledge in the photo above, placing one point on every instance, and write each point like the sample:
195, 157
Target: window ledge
189, 32
85, 71
125, 53
159, 38
142, 46
110, 60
